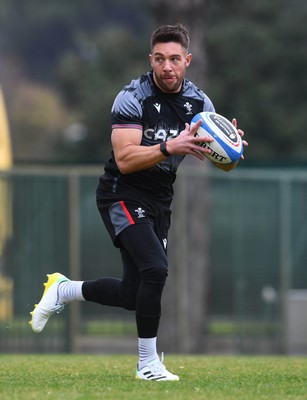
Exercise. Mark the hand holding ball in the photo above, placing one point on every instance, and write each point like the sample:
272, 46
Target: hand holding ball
227, 146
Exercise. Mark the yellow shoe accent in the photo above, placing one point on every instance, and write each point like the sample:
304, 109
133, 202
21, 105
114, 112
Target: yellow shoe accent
48, 304
52, 278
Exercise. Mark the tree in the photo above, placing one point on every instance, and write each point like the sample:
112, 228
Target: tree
51, 46
254, 66
89, 78
257, 62
184, 324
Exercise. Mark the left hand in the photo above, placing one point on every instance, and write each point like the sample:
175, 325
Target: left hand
241, 133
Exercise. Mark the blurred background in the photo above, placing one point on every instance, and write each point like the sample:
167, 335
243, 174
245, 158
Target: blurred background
238, 278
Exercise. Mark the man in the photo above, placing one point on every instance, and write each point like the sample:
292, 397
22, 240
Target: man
150, 137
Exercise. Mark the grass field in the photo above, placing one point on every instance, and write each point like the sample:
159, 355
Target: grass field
87, 377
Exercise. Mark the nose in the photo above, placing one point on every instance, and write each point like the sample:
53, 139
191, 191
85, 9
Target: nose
167, 66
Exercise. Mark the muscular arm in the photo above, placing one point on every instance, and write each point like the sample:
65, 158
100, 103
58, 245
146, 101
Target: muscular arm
130, 156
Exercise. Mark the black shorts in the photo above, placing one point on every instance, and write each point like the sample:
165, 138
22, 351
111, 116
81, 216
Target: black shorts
118, 215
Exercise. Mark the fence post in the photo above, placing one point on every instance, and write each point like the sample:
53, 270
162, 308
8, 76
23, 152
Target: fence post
74, 256
182, 310
285, 259
184, 319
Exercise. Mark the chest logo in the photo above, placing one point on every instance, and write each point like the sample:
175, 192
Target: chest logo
157, 106
188, 107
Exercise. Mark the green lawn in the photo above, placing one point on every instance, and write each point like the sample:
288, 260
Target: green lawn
112, 377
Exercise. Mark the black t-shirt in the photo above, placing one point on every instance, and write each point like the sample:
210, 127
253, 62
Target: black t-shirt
161, 117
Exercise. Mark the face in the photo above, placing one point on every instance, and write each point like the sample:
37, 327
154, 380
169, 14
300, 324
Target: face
169, 62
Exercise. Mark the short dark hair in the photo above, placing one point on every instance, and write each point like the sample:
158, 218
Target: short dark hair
171, 33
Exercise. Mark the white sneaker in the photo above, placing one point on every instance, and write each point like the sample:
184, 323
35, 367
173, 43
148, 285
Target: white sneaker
49, 303
155, 371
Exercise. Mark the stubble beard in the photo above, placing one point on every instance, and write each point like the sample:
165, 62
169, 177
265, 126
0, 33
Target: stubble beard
173, 87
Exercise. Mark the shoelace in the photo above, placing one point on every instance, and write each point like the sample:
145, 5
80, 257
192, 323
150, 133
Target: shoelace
158, 367
56, 309
59, 308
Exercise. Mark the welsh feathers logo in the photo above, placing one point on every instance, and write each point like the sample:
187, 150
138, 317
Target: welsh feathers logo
140, 212
188, 107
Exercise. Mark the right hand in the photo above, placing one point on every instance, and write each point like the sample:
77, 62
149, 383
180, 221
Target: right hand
187, 143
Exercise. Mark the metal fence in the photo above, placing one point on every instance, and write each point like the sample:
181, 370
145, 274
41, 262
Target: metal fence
257, 256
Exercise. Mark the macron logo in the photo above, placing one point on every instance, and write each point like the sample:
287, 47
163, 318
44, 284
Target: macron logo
157, 106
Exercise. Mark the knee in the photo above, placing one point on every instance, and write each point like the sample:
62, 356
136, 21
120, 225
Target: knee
129, 304
128, 300
155, 274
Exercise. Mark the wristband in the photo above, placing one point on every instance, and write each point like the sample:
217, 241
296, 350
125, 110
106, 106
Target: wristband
164, 150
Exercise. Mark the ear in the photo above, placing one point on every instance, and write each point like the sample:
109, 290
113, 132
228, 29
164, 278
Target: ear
188, 60
150, 59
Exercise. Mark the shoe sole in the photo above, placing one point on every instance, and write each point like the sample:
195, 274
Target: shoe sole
138, 378
156, 380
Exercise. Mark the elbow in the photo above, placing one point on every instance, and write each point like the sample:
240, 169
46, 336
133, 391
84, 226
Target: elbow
123, 167
125, 171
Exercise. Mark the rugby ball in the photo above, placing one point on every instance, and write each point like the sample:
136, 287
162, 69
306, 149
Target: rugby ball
227, 146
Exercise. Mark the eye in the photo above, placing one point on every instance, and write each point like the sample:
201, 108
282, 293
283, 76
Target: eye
159, 60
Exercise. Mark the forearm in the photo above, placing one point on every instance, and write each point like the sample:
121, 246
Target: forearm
131, 156
134, 158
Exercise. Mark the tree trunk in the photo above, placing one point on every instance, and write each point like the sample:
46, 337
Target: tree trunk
183, 323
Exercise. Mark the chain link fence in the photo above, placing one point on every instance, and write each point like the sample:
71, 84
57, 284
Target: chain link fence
255, 232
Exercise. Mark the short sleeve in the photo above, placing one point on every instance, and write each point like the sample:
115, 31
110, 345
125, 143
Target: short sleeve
126, 111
